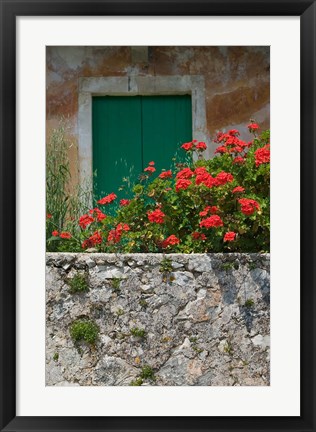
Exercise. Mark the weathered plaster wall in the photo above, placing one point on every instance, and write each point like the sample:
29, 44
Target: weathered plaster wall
205, 323
237, 80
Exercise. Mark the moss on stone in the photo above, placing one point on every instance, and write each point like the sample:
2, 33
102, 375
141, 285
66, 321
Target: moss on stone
84, 330
78, 284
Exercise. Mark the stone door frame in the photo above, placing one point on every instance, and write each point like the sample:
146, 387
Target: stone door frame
132, 86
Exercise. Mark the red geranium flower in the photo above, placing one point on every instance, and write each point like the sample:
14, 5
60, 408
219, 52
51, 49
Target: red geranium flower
248, 206
209, 209
85, 220
238, 189
48, 216
221, 149
231, 140
204, 212
113, 236
211, 222
200, 170
222, 178
165, 174
221, 137
253, 127
124, 202
186, 173
150, 169
187, 146
122, 227
116, 233
262, 155
96, 238
201, 146
198, 236
65, 235
156, 216
234, 132
151, 163
203, 177
107, 199
55, 233
98, 214
182, 184
238, 160
229, 236
171, 240
236, 149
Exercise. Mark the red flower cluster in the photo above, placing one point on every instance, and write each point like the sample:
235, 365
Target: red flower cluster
262, 155
231, 140
107, 199
201, 146
116, 234
188, 146
150, 169
253, 127
222, 178
165, 174
93, 240
211, 222
85, 220
98, 215
182, 184
234, 132
94, 215
248, 206
186, 173
48, 216
200, 171
203, 177
229, 236
198, 236
238, 160
170, 241
124, 202
156, 216
221, 149
209, 209
65, 235
238, 189
194, 145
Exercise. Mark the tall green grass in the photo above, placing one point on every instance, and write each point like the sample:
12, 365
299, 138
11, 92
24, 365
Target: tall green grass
65, 203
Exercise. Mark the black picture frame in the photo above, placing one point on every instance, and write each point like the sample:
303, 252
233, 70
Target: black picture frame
9, 10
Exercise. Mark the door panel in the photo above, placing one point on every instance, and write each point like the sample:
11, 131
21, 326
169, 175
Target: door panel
117, 144
167, 123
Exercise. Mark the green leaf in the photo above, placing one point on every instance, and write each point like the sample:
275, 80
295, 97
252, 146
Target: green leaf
53, 238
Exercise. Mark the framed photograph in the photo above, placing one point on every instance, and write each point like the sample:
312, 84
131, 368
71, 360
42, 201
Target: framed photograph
144, 215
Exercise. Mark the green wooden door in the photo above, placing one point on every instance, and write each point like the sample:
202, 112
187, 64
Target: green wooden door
166, 124
130, 131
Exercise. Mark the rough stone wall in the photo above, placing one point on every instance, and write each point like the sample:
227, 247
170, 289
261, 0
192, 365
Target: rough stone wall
204, 322
237, 80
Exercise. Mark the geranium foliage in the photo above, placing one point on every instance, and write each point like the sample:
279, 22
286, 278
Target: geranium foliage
199, 205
